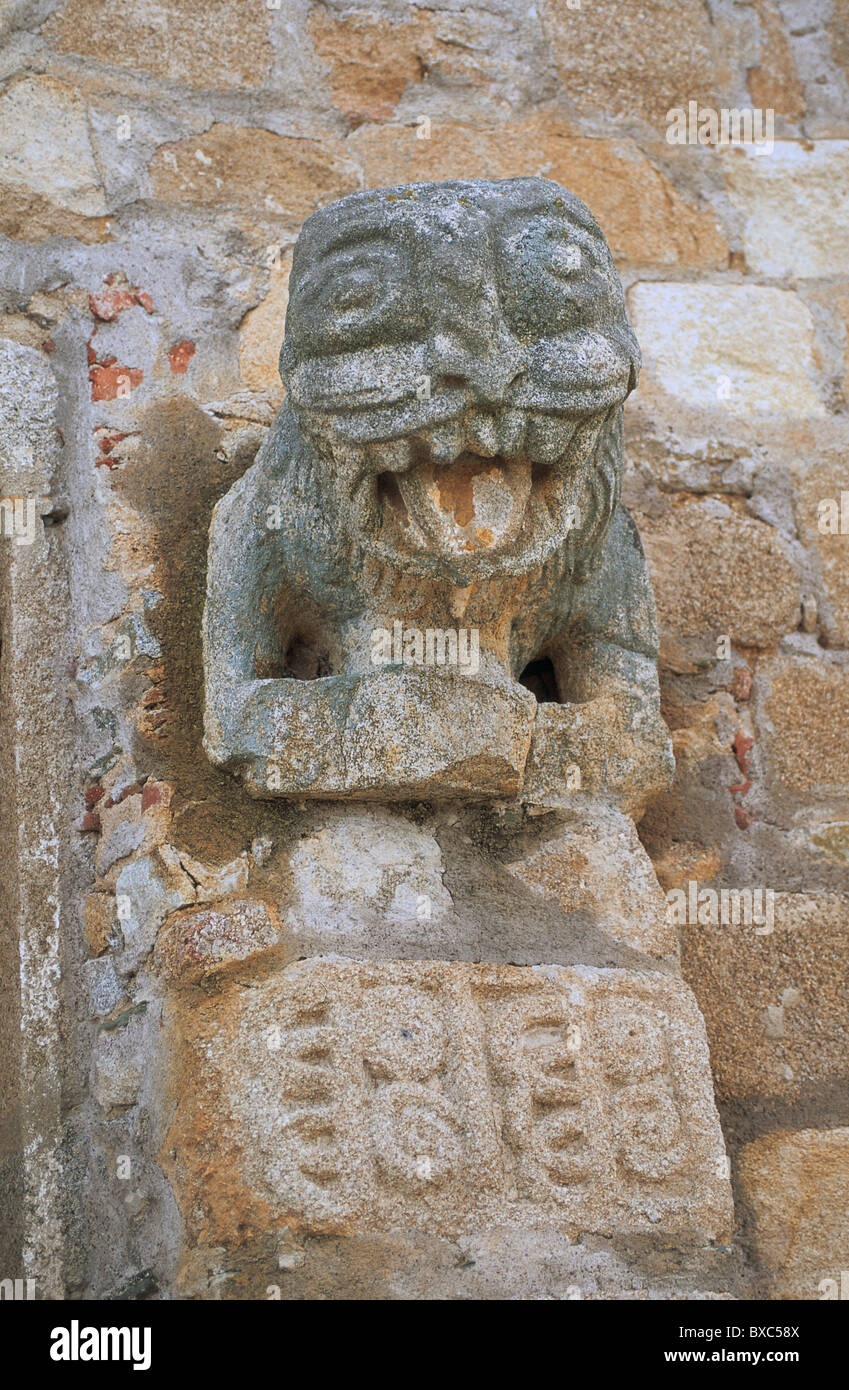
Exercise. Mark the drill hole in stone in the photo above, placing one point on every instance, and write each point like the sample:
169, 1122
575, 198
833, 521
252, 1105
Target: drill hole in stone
538, 677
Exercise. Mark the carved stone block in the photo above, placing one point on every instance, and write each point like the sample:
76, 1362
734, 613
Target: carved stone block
342, 1096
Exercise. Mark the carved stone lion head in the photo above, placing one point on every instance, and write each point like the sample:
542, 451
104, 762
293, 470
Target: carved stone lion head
456, 357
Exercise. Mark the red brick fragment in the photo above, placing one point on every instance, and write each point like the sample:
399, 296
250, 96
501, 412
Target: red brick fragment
108, 382
741, 685
155, 794
180, 355
108, 303
742, 747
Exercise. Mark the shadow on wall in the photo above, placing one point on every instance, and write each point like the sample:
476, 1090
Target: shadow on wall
181, 472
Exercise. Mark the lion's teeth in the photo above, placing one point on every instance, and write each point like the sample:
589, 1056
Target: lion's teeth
548, 437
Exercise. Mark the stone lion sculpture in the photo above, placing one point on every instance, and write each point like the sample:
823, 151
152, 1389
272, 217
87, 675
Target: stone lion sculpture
426, 585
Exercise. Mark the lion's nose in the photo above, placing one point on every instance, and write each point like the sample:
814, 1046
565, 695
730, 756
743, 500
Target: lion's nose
488, 366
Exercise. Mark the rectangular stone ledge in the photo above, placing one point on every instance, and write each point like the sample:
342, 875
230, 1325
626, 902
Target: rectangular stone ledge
402, 735
339, 1097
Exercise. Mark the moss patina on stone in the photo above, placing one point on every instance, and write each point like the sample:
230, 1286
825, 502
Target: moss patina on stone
443, 478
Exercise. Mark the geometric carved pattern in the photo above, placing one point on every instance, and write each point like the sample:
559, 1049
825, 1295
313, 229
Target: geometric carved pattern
446, 1096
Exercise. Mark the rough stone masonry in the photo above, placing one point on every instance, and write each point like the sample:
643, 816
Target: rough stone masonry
334, 962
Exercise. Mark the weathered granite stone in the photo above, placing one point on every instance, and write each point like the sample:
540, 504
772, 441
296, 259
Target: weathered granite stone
432, 529
342, 1097
596, 863
796, 1187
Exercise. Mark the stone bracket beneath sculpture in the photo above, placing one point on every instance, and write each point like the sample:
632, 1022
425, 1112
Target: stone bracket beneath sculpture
384, 735
405, 735
341, 1096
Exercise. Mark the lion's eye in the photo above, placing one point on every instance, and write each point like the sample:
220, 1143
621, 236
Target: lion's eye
355, 290
565, 260
548, 279
349, 296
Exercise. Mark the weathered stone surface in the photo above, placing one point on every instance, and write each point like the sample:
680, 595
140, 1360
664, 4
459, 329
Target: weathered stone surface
453, 496
35, 754
774, 1001
371, 57
615, 741
120, 1060
99, 921
717, 571
742, 350
805, 720
634, 60
596, 863
795, 206
238, 167
506, 1264
261, 335
192, 944
639, 210
46, 157
387, 734
796, 1187
377, 59
203, 43
351, 1097
460, 884
365, 871
145, 892
773, 82
821, 487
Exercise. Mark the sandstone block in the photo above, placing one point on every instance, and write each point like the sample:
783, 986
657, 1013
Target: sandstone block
774, 80
371, 58
596, 863
796, 1186
206, 45
806, 724
261, 334
717, 571
741, 350
191, 944
795, 206
634, 60
821, 483
45, 148
235, 166
774, 1001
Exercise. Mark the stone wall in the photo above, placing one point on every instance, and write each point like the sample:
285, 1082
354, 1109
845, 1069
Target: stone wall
156, 163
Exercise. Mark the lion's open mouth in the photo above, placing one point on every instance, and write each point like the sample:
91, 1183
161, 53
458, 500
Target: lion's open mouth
472, 504
474, 499
475, 492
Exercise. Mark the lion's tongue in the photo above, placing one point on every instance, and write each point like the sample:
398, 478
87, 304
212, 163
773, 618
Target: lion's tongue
472, 504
